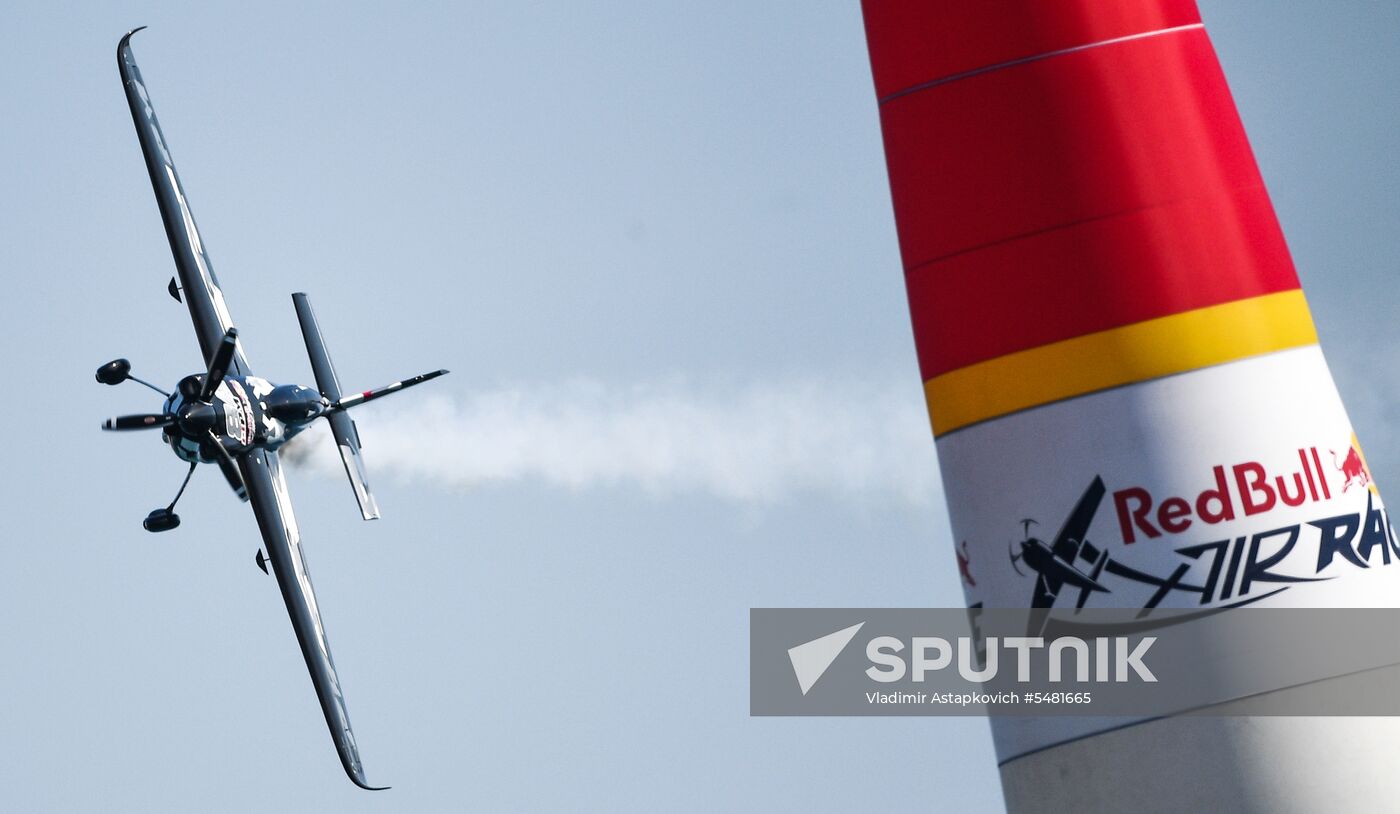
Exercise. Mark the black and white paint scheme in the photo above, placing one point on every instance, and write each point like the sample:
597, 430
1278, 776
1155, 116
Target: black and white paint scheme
229, 417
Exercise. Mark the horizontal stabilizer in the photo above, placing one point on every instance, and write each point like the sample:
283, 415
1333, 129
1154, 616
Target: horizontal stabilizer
346, 402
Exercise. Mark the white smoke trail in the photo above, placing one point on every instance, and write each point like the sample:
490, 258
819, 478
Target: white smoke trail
756, 444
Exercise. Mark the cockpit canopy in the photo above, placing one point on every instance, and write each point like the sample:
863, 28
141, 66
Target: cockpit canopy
190, 386
294, 403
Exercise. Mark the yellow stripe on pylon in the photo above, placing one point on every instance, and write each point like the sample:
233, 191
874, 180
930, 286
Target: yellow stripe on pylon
1119, 356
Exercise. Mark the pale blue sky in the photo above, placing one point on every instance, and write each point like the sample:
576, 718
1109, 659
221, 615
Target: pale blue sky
528, 194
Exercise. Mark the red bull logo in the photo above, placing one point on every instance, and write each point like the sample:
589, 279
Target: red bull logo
1229, 571
1242, 489
1353, 468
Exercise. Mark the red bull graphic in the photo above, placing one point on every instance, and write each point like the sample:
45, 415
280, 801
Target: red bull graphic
1233, 571
1353, 468
1167, 515
1248, 486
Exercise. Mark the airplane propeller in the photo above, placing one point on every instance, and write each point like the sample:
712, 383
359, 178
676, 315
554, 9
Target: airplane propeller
166, 519
114, 372
119, 370
195, 418
140, 421
194, 421
1026, 524
218, 366
1011, 552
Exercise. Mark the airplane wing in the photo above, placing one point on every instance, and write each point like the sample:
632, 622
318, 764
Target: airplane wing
197, 281
1069, 574
1071, 536
267, 491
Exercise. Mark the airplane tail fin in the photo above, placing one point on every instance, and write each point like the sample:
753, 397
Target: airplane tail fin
347, 436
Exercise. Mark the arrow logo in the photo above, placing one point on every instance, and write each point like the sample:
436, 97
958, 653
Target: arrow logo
811, 660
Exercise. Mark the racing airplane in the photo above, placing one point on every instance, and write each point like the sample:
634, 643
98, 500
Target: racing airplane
1054, 564
229, 417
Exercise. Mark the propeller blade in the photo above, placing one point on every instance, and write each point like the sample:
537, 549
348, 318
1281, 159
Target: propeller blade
144, 421
114, 372
1011, 552
218, 366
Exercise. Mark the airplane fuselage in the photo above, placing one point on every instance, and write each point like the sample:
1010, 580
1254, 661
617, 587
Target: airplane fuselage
246, 412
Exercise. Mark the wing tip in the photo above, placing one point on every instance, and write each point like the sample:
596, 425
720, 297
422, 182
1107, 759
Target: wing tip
124, 53
126, 40
357, 776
